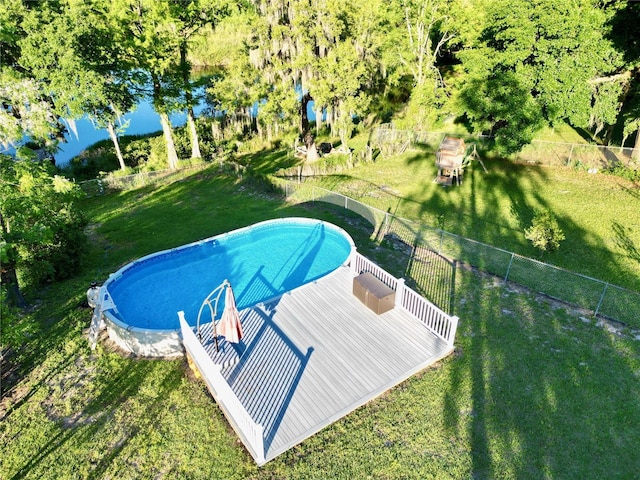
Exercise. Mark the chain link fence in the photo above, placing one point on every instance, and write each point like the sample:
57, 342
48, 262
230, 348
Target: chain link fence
577, 155
539, 152
428, 245
112, 183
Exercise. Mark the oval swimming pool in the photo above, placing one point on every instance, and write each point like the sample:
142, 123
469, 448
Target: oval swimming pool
261, 261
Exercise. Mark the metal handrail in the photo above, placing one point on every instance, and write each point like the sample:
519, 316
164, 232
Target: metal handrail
212, 309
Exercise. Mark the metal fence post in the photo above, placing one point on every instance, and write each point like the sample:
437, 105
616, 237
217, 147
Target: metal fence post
604, 291
570, 156
506, 277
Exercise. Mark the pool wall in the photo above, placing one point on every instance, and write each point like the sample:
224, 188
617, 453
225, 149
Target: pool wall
143, 342
168, 343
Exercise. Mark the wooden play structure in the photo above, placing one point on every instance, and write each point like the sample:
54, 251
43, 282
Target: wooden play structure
451, 159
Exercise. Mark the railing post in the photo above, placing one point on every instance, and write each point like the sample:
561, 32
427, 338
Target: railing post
352, 261
399, 292
259, 445
452, 331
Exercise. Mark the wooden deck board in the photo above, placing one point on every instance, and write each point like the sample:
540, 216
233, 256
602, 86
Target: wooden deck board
317, 353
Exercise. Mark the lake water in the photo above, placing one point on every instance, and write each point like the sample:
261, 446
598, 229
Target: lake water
142, 120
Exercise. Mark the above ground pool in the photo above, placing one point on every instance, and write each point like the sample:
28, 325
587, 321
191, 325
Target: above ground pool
141, 300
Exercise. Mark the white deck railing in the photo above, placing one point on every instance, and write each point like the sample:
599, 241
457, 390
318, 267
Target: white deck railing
251, 433
437, 321
360, 264
433, 318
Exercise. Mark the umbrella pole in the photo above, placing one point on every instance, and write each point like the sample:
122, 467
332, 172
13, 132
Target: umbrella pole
215, 334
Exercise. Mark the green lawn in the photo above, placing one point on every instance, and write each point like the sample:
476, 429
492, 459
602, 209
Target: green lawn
599, 214
534, 390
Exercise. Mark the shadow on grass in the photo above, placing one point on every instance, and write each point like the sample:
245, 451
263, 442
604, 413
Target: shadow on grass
548, 395
117, 395
625, 241
269, 161
539, 389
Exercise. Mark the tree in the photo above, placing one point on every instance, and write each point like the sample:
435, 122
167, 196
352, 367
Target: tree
544, 232
145, 32
25, 111
41, 227
236, 90
631, 120
11, 15
549, 49
69, 51
327, 52
427, 30
192, 16
339, 88
606, 104
502, 106
625, 35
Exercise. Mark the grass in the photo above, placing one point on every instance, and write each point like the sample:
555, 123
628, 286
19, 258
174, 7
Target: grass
599, 214
534, 390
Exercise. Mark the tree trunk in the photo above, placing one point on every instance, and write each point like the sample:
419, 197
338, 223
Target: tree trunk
635, 153
608, 134
331, 120
191, 119
195, 142
318, 119
10, 281
8, 276
216, 131
116, 144
344, 139
160, 108
172, 156
304, 118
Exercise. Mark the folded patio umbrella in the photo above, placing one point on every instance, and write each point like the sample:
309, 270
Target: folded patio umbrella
230, 326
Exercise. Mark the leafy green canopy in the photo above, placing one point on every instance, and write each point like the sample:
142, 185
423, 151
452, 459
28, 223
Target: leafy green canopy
42, 233
539, 55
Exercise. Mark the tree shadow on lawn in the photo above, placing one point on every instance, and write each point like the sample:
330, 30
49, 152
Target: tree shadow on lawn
268, 161
539, 389
476, 208
497, 207
109, 413
56, 323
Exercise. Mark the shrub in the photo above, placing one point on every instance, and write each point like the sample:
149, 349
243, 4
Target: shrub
544, 232
631, 174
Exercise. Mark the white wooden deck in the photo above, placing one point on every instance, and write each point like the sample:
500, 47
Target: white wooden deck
317, 353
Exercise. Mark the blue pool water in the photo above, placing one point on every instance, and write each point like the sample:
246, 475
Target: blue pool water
261, 262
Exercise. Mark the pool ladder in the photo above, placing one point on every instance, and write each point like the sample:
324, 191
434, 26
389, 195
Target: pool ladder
213, 297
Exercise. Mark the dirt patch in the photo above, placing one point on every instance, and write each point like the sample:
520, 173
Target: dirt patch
70, 392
